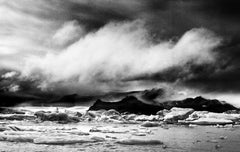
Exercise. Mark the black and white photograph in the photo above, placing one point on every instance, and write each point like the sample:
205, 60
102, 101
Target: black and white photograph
119, 75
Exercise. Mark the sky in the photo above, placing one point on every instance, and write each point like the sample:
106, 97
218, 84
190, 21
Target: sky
97, 46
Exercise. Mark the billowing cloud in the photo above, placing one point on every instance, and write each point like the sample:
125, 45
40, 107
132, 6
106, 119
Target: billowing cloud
67, 34
104, 59
9, 75
13, 88
28, 27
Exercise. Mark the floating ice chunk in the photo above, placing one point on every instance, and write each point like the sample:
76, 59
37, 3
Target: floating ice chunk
61, 140
150, 124
139, 142
176, 114
211, 121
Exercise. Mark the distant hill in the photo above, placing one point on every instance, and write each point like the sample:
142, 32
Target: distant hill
129, 104
133, 105
200, 104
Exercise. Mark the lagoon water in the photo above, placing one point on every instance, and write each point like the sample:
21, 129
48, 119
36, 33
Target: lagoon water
107, 136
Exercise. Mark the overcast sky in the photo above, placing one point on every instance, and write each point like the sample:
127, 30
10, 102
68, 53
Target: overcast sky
94, 46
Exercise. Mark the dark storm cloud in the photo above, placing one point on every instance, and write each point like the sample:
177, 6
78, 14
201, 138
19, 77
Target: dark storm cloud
225, 8
223, 17
170, 18
220, 16
178, 16
223, 76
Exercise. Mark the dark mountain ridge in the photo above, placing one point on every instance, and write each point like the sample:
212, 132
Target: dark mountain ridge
132, 105
129, 104
200, 104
